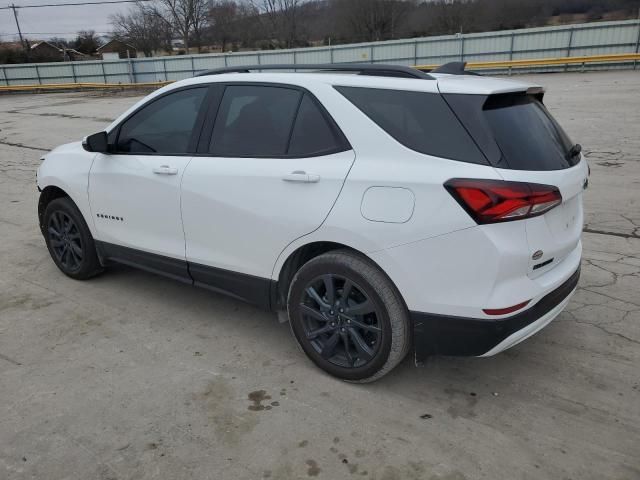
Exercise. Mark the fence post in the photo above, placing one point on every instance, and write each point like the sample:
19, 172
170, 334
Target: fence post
512, 42
164, 68
225, 59
415, 52
371, 53
129, 70
330, 53
193, 67
104, 72
4, 75
38, 75
461, 46
566, 67
637, 40
73, 73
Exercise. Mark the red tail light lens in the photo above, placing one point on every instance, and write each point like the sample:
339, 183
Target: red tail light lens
504, 311
491, 201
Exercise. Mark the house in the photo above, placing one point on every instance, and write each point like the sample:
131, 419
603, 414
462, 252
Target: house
116, 49
45, 50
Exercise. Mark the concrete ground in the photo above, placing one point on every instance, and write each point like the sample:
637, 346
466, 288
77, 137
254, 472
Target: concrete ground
133, 376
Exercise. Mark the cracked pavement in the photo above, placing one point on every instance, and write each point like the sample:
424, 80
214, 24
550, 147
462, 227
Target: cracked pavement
135, 376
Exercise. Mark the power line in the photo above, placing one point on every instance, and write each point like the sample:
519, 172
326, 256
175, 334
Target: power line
102, 2
45, 33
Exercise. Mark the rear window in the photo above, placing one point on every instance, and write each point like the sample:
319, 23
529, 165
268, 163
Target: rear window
515, 131
420, 121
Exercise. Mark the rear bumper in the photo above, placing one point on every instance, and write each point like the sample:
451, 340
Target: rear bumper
450, 335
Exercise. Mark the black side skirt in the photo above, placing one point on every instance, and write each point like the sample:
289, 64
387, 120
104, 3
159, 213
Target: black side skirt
248, 288
449, 335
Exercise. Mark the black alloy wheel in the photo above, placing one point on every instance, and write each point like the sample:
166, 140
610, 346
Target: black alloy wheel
348, 317
65, 241
340, 321
69, 240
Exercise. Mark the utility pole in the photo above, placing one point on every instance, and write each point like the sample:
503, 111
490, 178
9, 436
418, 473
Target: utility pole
15, 15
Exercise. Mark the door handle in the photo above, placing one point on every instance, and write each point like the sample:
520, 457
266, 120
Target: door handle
301, 177
165, 170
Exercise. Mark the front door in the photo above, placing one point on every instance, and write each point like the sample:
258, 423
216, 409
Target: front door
135, 192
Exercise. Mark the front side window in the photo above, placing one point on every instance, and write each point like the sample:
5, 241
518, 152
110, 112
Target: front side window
164, 126
254, 121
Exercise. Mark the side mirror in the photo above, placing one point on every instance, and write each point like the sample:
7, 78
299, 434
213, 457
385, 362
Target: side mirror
98, 142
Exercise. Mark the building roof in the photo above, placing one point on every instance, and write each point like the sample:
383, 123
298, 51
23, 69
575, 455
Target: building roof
38, 44
115, 40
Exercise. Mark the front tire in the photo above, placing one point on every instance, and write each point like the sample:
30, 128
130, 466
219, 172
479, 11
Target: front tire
348, 317
69, 240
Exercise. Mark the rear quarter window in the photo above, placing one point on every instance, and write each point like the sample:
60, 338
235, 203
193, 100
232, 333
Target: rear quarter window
420, 121
515, 131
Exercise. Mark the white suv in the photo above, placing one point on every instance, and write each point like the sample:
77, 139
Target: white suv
384, 208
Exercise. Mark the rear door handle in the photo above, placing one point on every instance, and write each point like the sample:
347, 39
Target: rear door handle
301, 177
165, 170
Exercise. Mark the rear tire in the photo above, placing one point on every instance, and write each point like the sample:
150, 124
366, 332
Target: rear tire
348, 317
69, 240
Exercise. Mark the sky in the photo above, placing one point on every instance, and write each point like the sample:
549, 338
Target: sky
47, 22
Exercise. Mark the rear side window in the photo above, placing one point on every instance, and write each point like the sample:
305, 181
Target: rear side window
420, 121
254, 121
312, 133
163, 126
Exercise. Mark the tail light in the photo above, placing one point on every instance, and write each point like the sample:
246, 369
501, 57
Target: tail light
504, 311
491, 201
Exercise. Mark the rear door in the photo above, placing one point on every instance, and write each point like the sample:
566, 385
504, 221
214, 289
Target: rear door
268, 171
525, 143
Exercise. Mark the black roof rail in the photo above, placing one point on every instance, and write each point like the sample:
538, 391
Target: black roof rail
378, 70
453, 68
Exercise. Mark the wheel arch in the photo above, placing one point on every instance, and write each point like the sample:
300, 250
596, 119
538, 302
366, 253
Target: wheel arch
48, 194
302, 255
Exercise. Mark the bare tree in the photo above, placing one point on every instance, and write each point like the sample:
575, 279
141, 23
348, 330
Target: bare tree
86, 42
283, 19
372, 20
223, 18
186, 17
142, 28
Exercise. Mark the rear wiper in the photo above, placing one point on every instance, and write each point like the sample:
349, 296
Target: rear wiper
573, 151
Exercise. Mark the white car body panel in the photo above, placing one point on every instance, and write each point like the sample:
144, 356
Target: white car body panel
126, 186
241, 215
67, 167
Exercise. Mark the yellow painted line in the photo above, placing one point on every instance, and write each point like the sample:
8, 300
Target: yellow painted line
67, 86
537, 62
542, 62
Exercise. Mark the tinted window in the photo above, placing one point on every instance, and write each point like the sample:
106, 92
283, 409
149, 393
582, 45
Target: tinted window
420, 121
526, 133
312, 134
163, 126
254, 121
514, 130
